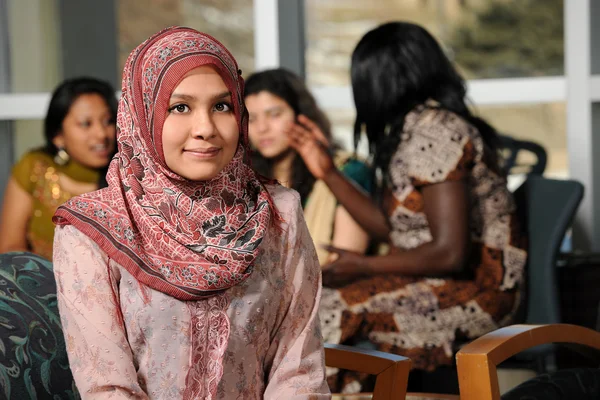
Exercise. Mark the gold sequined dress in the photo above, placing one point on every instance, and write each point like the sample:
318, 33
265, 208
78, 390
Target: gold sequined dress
39, 175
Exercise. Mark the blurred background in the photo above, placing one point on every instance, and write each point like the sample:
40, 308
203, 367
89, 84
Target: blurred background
514, 54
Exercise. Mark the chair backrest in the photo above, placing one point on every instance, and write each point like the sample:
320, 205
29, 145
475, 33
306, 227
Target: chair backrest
477, 361
391, 370
511, 149
548, 207
33, 357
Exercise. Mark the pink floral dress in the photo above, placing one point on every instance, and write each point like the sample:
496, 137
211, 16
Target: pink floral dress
127, 341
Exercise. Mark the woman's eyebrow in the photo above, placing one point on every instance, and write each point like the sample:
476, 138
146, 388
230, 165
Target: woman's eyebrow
189, 97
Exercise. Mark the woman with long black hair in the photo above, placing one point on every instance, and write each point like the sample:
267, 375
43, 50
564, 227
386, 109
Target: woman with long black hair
457, 251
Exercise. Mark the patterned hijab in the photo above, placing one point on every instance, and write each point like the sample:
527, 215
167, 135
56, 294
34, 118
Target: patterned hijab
190, 240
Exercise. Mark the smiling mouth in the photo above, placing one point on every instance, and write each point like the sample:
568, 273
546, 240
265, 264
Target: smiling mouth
100, 149
203, 153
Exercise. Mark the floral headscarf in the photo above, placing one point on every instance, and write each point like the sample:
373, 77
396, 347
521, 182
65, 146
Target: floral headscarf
188, 239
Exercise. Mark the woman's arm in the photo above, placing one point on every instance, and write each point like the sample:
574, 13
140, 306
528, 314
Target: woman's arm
347, 233
307, 139
447, 211
16, 211
99, 353
295, 360
446, 206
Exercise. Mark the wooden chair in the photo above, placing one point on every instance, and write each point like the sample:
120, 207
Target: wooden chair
477, 361
391, 370
431, 396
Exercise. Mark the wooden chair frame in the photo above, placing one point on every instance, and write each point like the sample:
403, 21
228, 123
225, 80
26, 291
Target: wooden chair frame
434, 396
391, 370
477, 362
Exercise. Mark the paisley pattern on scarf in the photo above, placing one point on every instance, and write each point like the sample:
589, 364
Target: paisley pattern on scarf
190, 240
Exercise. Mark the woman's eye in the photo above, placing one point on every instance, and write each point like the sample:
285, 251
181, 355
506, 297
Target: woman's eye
179, 108
275, 114
85, 124
222, 107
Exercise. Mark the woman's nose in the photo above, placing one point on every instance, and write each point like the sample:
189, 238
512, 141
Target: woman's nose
203, 126
261, 125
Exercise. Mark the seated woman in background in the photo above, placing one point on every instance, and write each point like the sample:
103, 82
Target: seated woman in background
458, 251
80, 139
275, 98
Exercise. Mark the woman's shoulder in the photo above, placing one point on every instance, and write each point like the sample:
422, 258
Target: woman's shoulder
285, 199
436, 121
437, 145
69, 231
72, 237
31, 168
36, 156
33, 157
440, 132
288, 204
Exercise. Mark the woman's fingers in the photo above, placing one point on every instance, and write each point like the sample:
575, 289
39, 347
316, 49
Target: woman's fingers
299, 136
307, 130
314, 129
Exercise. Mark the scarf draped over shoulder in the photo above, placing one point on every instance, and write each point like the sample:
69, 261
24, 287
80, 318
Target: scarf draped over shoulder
190, 240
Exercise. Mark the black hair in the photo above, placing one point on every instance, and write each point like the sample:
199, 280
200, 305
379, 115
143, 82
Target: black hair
395, 68
290, 88
63, 98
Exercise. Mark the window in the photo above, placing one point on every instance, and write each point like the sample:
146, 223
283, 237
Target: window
499, 39
44, 48
230, 21
485, 38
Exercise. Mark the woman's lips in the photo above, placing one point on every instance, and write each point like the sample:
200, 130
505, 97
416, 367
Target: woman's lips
265, 142
204, 153
101, 151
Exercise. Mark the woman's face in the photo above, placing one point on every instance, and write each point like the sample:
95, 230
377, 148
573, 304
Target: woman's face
270, 116
200, 134
88, 131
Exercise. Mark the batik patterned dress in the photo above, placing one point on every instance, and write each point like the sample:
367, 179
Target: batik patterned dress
128, 341
422, 317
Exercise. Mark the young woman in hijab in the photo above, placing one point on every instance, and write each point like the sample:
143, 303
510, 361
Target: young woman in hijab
458, 252
187, 277
80, 140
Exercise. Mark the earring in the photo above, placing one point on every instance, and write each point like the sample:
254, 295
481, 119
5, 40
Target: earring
62, 157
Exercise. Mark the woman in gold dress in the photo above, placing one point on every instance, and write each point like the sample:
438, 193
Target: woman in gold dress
80, 140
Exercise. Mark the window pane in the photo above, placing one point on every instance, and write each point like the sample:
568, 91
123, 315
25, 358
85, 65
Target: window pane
541, 123
16, 138
486, 38
34, 45
44, 48
230, 21
28, 134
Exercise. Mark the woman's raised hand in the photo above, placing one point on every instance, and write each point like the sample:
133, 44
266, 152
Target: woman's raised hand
312, 145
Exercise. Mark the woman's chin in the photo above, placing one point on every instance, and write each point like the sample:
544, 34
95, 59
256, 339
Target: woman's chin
200, 176
95, 162
275, 154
